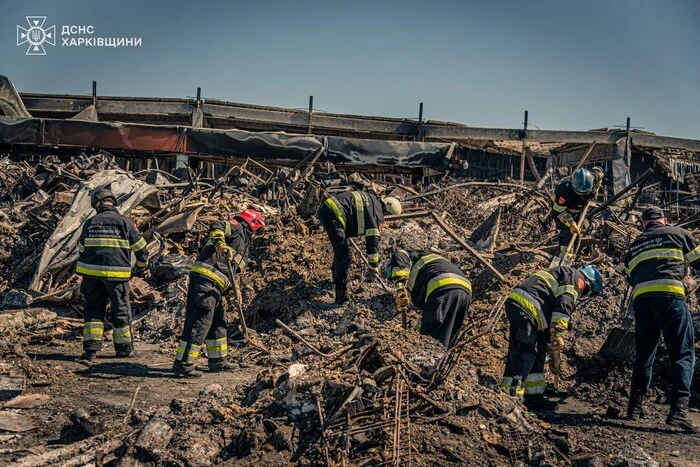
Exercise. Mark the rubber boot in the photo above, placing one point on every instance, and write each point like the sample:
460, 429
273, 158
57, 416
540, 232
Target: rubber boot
87, 358
635, 407
678, 415
188, 371
341, 294
124, 353
220, 364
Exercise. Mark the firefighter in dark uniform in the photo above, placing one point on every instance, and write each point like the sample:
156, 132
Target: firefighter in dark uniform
229, 244
655, 266
538, 310
353, 214
436, 286
106, 245
570, 196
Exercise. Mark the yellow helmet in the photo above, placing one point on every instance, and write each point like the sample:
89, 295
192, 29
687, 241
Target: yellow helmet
392, 205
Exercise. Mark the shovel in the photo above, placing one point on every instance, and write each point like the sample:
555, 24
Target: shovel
619, 345
252, 339
566, 259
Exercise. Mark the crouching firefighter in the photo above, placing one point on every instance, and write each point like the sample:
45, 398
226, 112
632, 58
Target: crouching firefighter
228, 245
436, 286
538, 310
570, 196
353, 214
656, 265
106, 245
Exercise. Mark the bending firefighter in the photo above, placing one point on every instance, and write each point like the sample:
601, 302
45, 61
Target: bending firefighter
656, 265
353, 214
539, 309
436, 286
106, 245
225, 253
570, 196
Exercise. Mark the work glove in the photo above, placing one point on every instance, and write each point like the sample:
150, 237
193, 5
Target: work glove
402, 299
573, 228
223, 250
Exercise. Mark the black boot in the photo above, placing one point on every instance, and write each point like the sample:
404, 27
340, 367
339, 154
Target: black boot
635, 407
87, 358
125, 353
678, 415
341, 294
220, 364
188, 371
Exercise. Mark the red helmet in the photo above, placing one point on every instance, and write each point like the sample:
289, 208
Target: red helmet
253, 218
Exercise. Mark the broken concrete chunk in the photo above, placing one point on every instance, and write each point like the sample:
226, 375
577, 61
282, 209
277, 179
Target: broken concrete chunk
634, 456
11, 386
155, 435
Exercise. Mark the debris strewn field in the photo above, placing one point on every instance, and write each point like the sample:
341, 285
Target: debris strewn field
325, 384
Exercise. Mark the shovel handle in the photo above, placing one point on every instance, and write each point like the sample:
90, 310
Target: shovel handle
239, 305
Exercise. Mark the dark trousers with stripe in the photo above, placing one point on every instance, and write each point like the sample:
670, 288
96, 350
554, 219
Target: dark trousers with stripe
564, 237
443, 314
667, 316
98, 292
339, 242
205, 321
527, 352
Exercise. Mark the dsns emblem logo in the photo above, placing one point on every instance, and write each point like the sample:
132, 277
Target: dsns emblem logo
36, 35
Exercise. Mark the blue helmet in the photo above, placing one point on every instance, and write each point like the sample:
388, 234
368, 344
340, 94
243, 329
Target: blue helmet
594, 278
582, 181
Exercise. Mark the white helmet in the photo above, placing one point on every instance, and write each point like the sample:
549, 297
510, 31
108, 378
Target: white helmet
392, 205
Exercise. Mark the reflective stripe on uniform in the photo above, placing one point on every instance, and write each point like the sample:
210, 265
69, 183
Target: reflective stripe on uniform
399, 273
548, 279
507, 382
141, 264
359, 212
566, 288
535, 384
92, 331
217, 348
106, 242
418, 266
191, 355
443, 280
333, 204
560, 318
373, 258
659, 285
81, 248
693, 255
105, 272
372, 232
528, 302
139, 245
558, 208
122, 335
656, 253
210, 272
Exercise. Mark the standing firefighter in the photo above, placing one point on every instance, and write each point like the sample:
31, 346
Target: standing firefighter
105, 245
539, 309
352, 214
436, 286
228, 245
655, 265
570, 196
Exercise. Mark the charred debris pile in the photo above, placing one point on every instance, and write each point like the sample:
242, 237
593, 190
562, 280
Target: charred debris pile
337, 385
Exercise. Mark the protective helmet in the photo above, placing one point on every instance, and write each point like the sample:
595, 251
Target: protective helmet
392, 205
582, 181
594, 278
102, 194
253, 218
598, 173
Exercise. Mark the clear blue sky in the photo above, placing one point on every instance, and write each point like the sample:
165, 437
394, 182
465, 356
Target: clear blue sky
573, 64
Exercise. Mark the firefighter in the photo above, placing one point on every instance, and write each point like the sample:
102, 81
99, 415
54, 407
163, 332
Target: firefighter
436, 286
352, 214
106, 245
538, 310
228, 245
570, 196
655, 266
